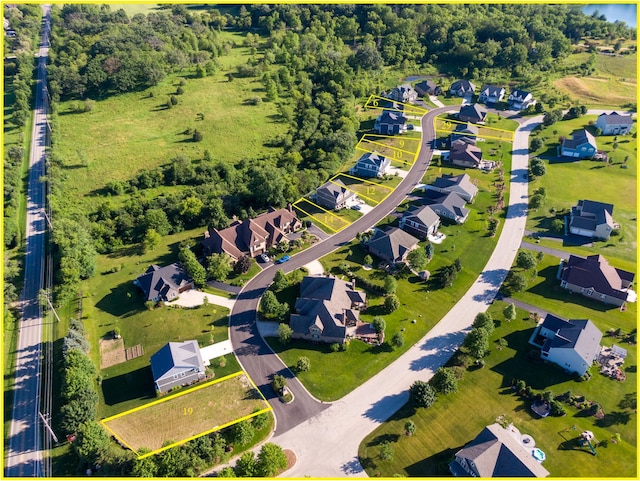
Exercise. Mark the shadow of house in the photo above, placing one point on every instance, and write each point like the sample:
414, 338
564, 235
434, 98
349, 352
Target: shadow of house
134, 385
122, 301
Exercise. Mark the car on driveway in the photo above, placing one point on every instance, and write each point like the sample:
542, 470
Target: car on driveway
284, 258
356, 207
264, 258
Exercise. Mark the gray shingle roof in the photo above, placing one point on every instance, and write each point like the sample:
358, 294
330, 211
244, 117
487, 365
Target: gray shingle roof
465, 85
614, 118
422, 214
476, 111
392, 118
580, 335
462, 181
175, 357
163, 282
578, 138
589, 214
393, 244
491, 90
595, 272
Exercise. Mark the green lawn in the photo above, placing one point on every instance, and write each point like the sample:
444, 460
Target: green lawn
599, 182
135, 131
449, 424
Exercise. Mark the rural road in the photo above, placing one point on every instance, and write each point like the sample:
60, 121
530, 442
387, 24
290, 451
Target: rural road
24, 457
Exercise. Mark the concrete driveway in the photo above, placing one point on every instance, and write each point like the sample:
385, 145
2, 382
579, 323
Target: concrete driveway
194, 298
315, 268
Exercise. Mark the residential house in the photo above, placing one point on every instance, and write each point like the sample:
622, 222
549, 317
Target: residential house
614, 123
594, 278
520, 100
391, 123
253, 236
497, 452
420, 221
371, 164
474, 113
490, 94
460, 184
427, 87
581, 145
592, 219
460, 88
327, 310
404, 93
177, 364
465, 155
448, 206
334, 195
164, 283
392, 245
573, 345
466, 132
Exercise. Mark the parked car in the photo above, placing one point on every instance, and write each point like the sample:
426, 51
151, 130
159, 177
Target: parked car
284, 258
356, 207
264, 258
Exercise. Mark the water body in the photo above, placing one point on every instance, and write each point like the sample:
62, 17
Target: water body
623, 12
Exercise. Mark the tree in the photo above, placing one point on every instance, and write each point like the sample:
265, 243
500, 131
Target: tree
368, 260
525, 260
444, 380
379, 324
219, 266
477, 342
422, 394
192, 266
391, 303
510, 312
303, 364
429, 250
227, 472
537, 167
418, 259
483, 320
557, 226
284, 333
515, 282
280, 280
536, 143
397, 340
390, 285
271, 460
246, 465
410, 428
278, 383
92, 442
271, 308
552, 117
386, 451
242, 265
151, 240
242, 433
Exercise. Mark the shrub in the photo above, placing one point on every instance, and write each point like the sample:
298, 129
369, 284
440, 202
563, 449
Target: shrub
422, 394
278, 383
334, 347
379, 324
391, 303
444, 380
525, 260
397, 340
303, 364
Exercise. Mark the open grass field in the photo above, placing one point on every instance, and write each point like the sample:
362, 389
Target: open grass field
419, 300
495, 129
373, 191
566, 182
127, 133
484, 395
402, 150
197, 411
330, 221
382, 103
614, 84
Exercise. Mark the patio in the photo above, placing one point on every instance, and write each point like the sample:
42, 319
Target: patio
611, 360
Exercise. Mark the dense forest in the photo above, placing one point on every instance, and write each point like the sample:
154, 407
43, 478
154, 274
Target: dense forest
315, 62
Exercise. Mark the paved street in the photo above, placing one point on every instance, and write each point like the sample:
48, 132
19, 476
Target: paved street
24, 458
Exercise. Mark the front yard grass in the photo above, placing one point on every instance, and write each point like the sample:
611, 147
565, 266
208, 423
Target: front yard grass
485, 394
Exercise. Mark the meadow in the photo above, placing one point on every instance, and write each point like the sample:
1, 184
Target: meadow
449, 424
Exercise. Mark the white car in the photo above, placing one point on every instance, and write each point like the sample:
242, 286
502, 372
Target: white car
264, 258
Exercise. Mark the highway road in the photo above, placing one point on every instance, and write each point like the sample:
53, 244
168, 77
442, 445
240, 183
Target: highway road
252, 351
24, 458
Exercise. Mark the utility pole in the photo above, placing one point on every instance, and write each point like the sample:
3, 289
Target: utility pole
46, 425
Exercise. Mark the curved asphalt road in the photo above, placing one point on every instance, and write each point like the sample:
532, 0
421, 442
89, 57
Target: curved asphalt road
254, 354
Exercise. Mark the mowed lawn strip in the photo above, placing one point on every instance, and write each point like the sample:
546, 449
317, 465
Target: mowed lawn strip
192, 413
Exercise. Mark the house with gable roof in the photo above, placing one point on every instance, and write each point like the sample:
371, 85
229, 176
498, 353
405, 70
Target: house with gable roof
164, 283
581, 145
571, 344
520, 100
371, 164
474, 113
595, 278
334, 195
614, 123
497, 452
392, 245
460, 184
253, 236
328, 310
491, 94
465, 155
467, 132
591, 219
460, 88
448, 206
404, 93
420, 221
177, 364
427, 87
390, 123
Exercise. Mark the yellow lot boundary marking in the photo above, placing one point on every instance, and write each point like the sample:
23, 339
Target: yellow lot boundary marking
412, 109
344, 222
480, 136
385, 145
391, 189
354, 191
188, 391
312, 216
480, 127
396, 151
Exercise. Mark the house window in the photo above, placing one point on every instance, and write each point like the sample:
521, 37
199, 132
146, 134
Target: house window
175, 376
182, 374
590, 292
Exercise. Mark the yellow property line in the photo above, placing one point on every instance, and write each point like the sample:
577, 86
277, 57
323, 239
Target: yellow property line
479, 136
188, 391
402, 139
480, 127
204, 433
387, 146
116, 436
346, 223
313, 215
354, 191
375, 98
364, 180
